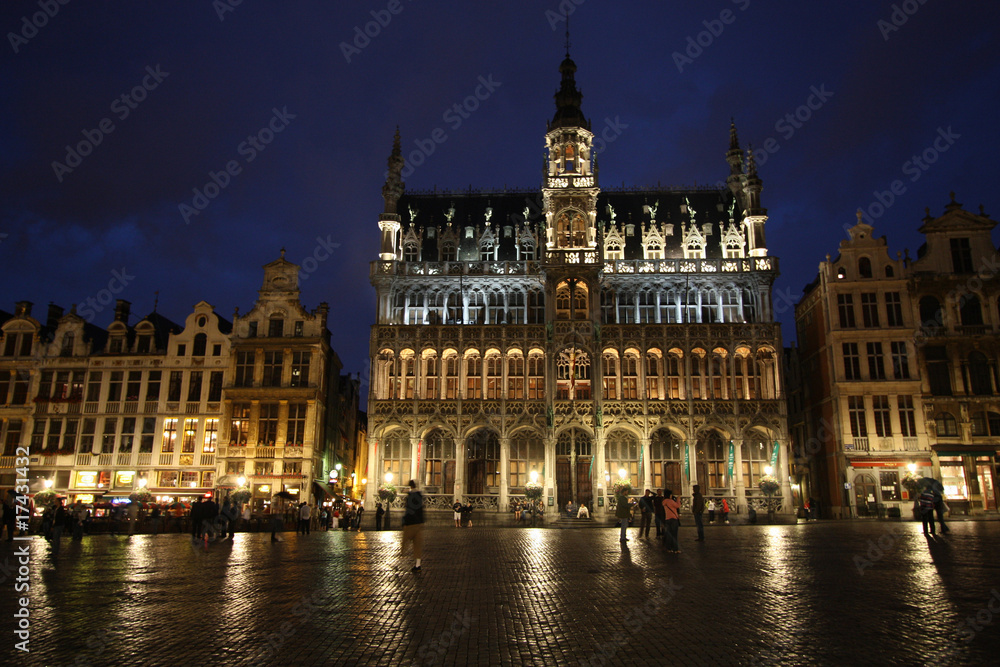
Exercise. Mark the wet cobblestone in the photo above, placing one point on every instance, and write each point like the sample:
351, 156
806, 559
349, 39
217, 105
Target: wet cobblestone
817, 594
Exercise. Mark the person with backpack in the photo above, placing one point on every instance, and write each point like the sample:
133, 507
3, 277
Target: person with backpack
413, 524
926, 504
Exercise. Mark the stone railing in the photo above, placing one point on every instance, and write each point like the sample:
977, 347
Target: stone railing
505, 268
644, 266
487, 502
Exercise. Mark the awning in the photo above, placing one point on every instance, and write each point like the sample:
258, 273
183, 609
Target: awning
885, 462
325, 488
978, 451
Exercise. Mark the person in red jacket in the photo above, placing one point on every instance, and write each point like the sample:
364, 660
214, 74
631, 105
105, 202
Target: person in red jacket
670, 510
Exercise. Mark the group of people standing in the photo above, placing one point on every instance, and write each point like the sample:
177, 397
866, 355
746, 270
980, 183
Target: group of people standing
663, 508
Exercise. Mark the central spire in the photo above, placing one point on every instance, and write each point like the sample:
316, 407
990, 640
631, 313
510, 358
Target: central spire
568, 98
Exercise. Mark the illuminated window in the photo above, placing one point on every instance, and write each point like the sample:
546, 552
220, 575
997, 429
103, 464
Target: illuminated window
169, 435
211, 435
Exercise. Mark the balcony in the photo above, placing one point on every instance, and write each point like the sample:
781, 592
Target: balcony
124, 459
145, 459
166, 459
265, 452
207, 460
130, 407
105, 460
453, 268
910, 444
83, 459
857, 445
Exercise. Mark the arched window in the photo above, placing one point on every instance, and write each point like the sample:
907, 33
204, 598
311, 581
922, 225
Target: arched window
527, 454
947, 427
473, 376
674, 363
699, 374
429, 375
448, 252
970, 310
712, 460
980, 380
515, 375
494, 375
630, 375
889, 273
450, 358
483, 461
439, 462
621, 452
665, 455
654, 375
718, 376
396, 456
756, 455
865, 267
610, 388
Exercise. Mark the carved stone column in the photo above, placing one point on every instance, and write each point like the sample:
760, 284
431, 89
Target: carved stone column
504, 472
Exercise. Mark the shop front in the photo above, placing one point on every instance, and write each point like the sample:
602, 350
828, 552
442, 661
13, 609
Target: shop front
874, 486
969, 479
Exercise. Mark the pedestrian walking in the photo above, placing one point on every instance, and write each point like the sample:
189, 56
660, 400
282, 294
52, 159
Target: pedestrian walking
246, 519
805, 509
670, 509
361, 513
646, 508
624, 514
457, 507
697, 509
711, 510
413, 524
305, 513
658, 514
467, 515
725, 511
379, 512
926, 504
323, 516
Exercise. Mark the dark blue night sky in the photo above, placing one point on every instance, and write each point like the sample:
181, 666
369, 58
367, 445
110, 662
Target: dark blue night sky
886, 82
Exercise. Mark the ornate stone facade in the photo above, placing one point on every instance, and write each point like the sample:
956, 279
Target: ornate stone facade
575, 333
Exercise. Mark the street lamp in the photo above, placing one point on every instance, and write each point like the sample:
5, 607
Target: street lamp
534, 476
364, 481
768, 470
47, 483
143, 482
338, 466
388, 478
621, 473
241, 480
912, 467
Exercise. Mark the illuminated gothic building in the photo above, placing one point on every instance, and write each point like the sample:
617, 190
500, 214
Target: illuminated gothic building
576, 333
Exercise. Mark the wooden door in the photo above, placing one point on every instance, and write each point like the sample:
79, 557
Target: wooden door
564, 483
584, 485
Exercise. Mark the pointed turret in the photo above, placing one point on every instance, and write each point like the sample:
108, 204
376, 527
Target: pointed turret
734, 157
568, 99
388, 221
755, 216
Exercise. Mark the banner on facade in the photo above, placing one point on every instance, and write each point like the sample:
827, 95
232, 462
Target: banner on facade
687, 460
732, 459
774, 457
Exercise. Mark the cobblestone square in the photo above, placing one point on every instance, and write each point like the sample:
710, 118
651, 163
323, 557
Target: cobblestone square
834, 593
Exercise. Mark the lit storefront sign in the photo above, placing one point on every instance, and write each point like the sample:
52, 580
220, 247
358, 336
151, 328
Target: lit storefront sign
124, 478
86, 479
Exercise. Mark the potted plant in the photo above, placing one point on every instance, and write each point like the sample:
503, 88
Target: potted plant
622, 488
387, 493
45, 498
141, 496
768, 485
239, 496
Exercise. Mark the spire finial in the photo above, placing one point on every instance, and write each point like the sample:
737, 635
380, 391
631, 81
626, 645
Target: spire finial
751, 162
860, 214
156, 299
282, 252
567, 35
